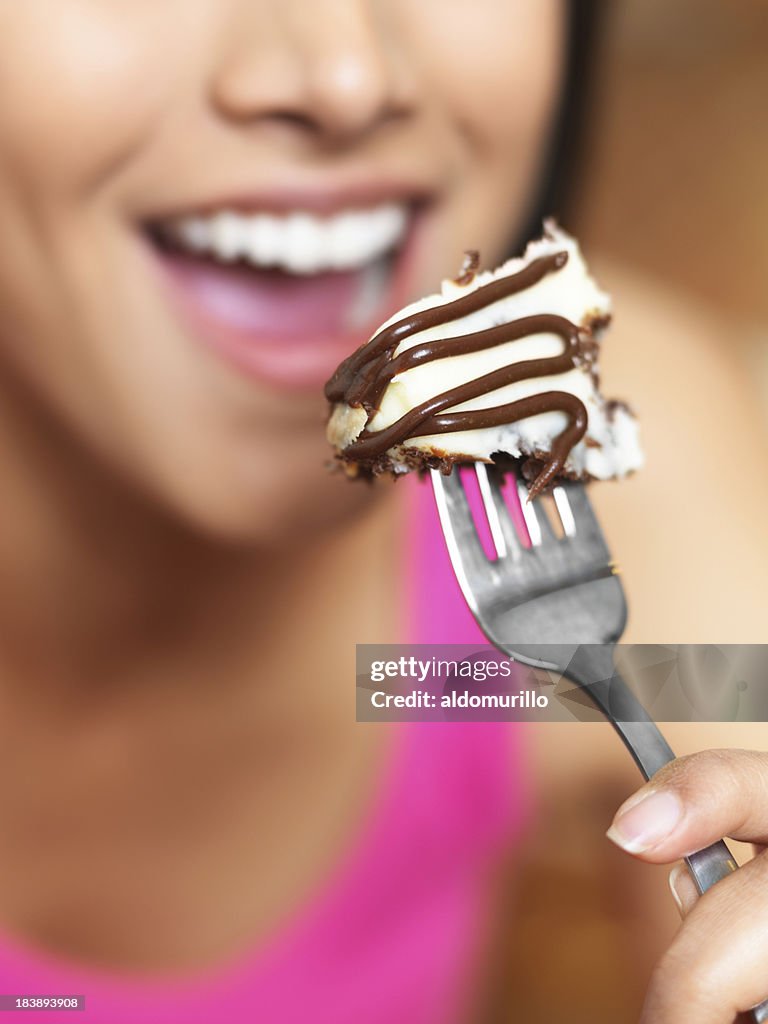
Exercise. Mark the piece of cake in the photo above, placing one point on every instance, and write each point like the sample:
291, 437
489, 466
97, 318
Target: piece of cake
501, 362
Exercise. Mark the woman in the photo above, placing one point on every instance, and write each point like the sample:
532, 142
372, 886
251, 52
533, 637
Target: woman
194, 827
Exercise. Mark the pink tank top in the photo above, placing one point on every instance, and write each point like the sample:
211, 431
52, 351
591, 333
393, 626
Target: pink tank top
395, 933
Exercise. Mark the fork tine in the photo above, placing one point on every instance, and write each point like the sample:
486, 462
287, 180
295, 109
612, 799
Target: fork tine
564, 511
461, 537
582, 513
502, 528
539, 527
586, 527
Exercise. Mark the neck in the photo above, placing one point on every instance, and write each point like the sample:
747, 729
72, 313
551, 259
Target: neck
103, 594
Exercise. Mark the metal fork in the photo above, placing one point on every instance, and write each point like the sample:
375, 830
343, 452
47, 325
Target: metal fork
559, 605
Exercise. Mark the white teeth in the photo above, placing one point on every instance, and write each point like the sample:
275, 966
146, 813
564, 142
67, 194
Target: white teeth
263, 242
229, 238
299, 243
304, 240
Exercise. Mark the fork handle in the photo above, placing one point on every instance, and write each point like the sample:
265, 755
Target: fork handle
593, 669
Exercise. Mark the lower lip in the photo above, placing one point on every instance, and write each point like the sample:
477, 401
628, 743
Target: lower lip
289, 336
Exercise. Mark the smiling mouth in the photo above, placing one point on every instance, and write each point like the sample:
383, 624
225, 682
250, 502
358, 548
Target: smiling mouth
284, 296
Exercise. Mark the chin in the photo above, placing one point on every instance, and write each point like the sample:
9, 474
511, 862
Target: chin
269, 499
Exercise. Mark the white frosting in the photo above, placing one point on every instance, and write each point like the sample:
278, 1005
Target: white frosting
570, 293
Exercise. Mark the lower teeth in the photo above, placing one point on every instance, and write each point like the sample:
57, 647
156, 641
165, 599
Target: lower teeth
373, 280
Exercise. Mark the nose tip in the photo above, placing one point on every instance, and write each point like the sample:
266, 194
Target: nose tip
335, 76
351, 93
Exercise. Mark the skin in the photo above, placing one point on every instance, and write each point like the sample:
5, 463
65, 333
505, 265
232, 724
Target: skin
158, 553
713, 971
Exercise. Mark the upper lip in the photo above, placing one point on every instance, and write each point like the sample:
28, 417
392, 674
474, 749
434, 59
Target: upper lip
318, 198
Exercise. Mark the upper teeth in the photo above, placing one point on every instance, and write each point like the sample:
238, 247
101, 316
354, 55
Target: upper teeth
300, 243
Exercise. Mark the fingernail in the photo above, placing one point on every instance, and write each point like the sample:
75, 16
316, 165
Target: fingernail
673, 879
683, 888
640, 825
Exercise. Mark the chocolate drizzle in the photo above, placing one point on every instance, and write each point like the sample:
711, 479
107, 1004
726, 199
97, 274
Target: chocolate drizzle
362, 379
469, 267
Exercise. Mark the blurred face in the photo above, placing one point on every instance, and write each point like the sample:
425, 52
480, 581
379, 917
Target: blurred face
206, 204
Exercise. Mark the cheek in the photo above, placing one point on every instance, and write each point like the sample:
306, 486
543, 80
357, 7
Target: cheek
83, 85
491, 66
509, 56
80, 82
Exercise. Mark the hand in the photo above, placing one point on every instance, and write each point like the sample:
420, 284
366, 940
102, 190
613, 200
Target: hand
717, 965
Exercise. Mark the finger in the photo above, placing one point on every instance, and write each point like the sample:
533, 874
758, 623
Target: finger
686, 895
683, 889
717, 965
694, 801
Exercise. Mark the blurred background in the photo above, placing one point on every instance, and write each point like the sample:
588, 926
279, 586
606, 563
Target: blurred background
676, 177
675, 188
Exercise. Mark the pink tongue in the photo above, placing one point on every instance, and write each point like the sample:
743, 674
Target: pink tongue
268, 301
